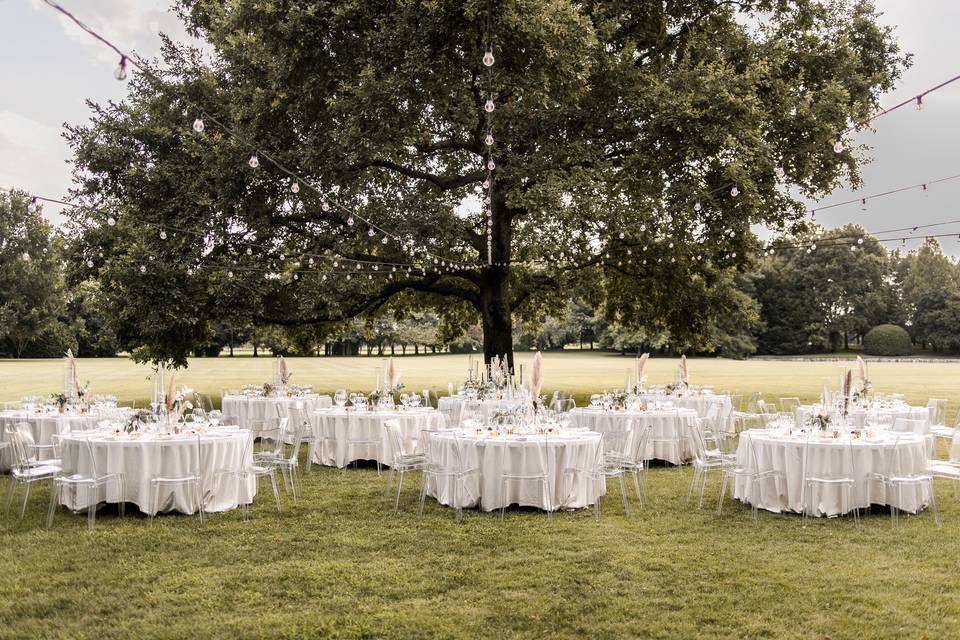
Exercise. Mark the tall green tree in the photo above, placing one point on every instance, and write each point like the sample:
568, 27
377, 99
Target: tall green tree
31, 278
612, 119
925, 270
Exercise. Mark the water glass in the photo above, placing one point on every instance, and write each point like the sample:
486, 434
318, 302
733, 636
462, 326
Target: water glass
340, 397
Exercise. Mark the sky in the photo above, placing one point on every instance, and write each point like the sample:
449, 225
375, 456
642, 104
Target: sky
49, 68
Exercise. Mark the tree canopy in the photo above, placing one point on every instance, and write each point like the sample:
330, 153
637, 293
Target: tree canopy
635, 145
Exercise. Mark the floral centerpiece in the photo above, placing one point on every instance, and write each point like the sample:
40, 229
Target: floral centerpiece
820, 420
60, 399
618, 399
268, 389
176, 400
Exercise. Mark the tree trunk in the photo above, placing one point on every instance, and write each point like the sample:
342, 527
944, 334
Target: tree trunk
416, 349
255, 354
496, 317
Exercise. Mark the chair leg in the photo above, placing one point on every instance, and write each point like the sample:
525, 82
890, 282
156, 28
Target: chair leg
503, 497
276, 489
636, 486
122, 488
933, 505
623, 494
199, 499
723, 490
703, 488
423, 493
53, 503
26, 496
8, 499
396, 503
91, 506
154, 501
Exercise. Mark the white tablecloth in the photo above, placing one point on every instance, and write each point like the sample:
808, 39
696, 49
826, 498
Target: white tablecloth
700, 402
148, 456
491, 454
452, 406
872, 416
828, 458
338, 433
669, 439
44, 426
258, 413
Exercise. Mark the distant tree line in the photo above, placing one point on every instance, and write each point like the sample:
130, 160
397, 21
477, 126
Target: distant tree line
800, 299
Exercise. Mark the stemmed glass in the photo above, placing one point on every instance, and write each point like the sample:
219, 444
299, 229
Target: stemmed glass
340, 397
215, 416
595, 400
414, 400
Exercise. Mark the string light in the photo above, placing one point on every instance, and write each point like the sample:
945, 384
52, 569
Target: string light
120, 73
734, 191
780, 173
488, 58
295, 187
838, 145
198, 125
254, 161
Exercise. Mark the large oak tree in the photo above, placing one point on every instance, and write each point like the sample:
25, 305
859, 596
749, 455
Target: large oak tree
621, 128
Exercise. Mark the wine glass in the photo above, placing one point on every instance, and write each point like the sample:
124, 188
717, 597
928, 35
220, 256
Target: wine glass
215, 416
595, 400
340, 397
199, 415
414, 400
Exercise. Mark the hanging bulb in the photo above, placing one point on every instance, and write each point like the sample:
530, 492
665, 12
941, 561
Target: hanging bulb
120, 73
25, 257
488, 106
296, 276
143, 268
254, 161
697, 207
249, 251
325, 205
859, 240
780, 172
488, 140
919, 103
295, 187
488, 58
163, 234
198, 125
371, 232
838, 145
486, 183
350, 221
111, 221
90, 264
384, 241
734, 191
491, 165
813, 247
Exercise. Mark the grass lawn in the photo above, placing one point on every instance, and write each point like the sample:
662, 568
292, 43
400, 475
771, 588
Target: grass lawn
340, 564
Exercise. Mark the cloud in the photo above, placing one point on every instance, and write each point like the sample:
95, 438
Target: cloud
33, 158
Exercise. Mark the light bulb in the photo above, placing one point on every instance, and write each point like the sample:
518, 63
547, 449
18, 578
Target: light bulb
838, 146
734, 191
163, 234
296, 276
859, 240
488, 58
697, 207
813, 247
90, 264
143, 268
488, 140
350, 221
111, 221
310, 262
491, 165
198, 125
621, 235
254, 161
249, 251
120, 73
643, 227
780, 172
384, 241
486, 183
295, 187
25, 256
371, 232
229, 274
488, 106
325, 206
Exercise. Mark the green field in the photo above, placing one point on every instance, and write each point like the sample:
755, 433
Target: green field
580, 373
339, 564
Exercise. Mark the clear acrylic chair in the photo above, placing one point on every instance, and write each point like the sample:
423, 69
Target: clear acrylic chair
538, 472
938, 412
23, 470
297, 413
704, 460
38, 454
635, 462
940, 429
444, 461
88, 481
607, 464
672, 441
190, 478
842, 479
244, 469
895, 480
364, 441
285, 454
948, 469
789, 405
401, 460
733, 468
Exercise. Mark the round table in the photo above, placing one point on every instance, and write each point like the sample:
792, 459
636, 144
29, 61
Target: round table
861, 417
343, 435
828, 457
669, 438
699, 402
259, 413
490, 454
141, 457
44, 425
452, 406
